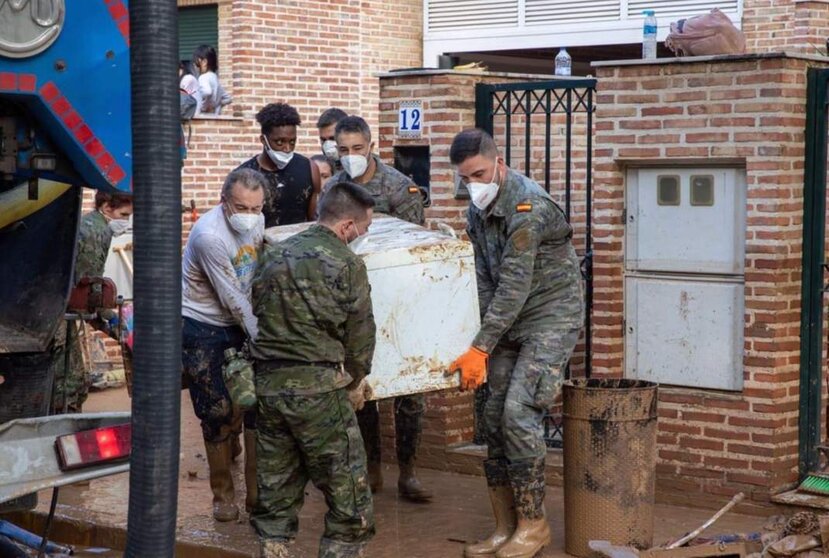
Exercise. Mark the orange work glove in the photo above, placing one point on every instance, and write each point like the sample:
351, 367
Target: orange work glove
472, 365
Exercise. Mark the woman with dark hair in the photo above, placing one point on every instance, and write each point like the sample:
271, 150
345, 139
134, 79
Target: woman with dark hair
213, 95
188, 82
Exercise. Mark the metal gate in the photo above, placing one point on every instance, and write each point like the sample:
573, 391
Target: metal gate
813, 287
545, 130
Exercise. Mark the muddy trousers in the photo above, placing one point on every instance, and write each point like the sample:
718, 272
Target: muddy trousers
203, 347
524, 381
408, 418
316, 438
71, 383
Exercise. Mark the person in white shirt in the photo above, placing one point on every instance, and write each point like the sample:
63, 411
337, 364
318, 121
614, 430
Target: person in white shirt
219, 262
213, 95
188, 82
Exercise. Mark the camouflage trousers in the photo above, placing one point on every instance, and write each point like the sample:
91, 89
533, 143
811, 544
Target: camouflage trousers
316, 438
71, 384
202, 347
408, 418
524, 381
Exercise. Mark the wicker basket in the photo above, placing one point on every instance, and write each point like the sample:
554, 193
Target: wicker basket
609, 463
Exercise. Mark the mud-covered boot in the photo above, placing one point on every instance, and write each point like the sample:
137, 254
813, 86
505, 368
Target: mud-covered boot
251, 490
408, 485
275, 548
221, 482
375, 476
330, 548
532, 532
503, 508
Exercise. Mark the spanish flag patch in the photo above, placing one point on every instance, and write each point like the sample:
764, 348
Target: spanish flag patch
414, 190
524, 207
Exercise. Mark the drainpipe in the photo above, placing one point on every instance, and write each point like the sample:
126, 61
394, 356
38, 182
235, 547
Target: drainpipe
156, 398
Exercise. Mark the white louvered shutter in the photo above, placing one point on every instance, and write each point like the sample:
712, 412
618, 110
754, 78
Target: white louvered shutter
679, 8
565, 11
446, 15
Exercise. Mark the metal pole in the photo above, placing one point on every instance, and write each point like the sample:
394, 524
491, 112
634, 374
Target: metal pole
156, 131
588, 240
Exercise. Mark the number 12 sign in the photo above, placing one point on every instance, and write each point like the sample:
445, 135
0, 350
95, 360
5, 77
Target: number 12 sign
410, 119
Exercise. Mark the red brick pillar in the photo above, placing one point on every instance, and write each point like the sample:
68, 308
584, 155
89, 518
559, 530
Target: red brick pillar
747, 112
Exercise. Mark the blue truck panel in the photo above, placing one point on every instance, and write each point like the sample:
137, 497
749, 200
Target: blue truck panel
79, 88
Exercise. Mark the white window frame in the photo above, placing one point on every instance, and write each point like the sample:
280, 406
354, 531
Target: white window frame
626, 30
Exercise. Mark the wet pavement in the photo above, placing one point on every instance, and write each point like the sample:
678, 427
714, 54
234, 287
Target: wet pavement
460, 512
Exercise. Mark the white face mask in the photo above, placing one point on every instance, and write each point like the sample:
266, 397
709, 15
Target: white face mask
243, 223
355, 165
329, 149
119, 226
358, 240
482, 193
279, 158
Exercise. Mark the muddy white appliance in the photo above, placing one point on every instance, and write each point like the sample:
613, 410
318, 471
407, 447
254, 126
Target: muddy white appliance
425, 301
684, 276
118, 265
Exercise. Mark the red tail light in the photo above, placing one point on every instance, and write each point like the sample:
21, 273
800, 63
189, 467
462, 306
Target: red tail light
93, 447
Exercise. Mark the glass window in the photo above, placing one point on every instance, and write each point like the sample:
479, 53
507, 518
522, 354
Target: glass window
667, 190
702, 190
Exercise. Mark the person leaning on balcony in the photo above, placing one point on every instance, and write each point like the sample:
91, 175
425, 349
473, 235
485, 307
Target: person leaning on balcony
532, 308
213, 95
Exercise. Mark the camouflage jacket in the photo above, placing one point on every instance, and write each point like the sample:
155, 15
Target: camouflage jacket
94, 238
394, 193
312, 298
528, 273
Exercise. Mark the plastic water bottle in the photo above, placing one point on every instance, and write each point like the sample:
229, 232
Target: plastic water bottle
564, 63
649, 36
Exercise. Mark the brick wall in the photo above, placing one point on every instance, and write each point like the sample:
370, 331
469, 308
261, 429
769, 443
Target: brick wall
311, 54
790, 25
751, 111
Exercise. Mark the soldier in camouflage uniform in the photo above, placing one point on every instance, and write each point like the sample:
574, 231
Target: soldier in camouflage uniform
314, 348
327, 128
394, 194
532, 307
110, 217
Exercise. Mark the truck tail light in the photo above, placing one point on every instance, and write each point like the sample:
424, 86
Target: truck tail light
94, 447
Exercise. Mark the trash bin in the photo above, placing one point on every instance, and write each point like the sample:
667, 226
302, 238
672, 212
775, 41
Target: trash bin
609, 463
